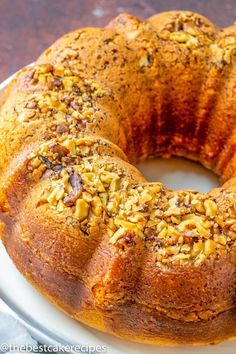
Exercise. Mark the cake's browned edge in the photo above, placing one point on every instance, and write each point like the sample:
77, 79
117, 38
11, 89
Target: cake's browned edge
131, 321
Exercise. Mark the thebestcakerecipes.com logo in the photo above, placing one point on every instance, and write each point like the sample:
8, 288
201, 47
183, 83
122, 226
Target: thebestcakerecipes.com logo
41, 348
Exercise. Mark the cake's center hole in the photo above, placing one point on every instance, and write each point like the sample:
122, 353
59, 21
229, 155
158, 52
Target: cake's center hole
179, 173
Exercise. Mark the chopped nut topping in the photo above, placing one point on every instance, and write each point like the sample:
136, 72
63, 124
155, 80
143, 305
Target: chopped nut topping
209, 247
61, 129
81, 210
184, 37
76, 184
56, 81
211, 207
68, 104
179, 227
59, 149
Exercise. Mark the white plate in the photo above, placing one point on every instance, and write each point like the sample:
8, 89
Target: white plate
50, 326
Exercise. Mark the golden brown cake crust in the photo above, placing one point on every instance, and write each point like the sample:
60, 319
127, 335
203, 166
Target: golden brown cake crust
122, 255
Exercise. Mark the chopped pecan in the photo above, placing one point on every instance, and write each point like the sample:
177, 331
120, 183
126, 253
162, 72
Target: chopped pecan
56, 81
57, 168
61, 129
68, 160
49, 164
76, 184
144, 208
46, 161
60, 150
74, 105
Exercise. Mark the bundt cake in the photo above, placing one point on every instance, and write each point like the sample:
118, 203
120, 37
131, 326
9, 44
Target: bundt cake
122, 255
